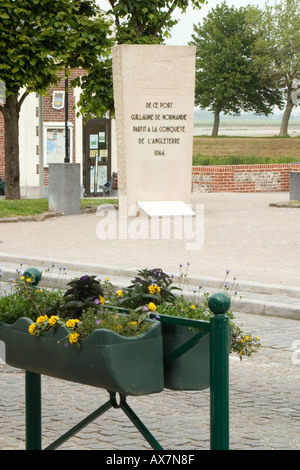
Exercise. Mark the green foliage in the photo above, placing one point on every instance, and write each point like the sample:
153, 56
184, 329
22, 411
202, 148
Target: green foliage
276, 49
150, 286
225, 78
240, 160
82, 294
27, 301
135, 22
276, 53
185, 309
243, 344
22, 207
130, 324
39, 38
27, 207
99, 78
82, 309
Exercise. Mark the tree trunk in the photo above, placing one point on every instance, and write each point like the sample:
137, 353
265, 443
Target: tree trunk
287, 113
215, 130
12, 168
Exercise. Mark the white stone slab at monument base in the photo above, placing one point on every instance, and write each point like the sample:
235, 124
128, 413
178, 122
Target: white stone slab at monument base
165, 208
154, 89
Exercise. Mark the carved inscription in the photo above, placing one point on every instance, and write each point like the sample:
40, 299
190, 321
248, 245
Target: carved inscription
159, 126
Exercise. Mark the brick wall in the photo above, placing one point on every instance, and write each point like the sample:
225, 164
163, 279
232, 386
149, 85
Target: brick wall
50, 115
243, 178
58, 115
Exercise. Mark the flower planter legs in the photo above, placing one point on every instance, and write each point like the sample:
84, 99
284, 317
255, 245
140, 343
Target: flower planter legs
219, 388
34, 416
219, 382
33, 411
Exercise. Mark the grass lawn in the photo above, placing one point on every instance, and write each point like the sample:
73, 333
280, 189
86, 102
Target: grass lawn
206, 151
245, 150
23, 207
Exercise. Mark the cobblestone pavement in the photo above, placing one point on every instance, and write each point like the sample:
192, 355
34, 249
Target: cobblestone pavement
242, 233
264, 403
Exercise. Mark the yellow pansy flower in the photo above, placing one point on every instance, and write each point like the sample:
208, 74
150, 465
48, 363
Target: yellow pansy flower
40, 320
152, 306
73, 338
71, 323
32, 328
52, 320
153, 288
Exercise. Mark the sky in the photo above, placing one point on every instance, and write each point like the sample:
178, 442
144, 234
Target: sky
182, 32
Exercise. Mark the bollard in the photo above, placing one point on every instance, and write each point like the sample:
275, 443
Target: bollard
219, 372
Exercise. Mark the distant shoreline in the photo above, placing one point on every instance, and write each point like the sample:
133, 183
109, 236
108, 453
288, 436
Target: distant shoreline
246, 129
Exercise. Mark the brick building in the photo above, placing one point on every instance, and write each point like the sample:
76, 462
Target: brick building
43, 123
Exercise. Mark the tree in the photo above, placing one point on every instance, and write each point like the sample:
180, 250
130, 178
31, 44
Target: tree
38, 38
276, 52
226, 80
135, 22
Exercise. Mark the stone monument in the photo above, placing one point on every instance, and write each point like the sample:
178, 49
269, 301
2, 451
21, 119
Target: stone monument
154, 87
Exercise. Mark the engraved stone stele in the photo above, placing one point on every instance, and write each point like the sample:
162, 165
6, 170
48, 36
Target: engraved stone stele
154, 87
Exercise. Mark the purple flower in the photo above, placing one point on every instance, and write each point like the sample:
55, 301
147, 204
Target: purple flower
97, 301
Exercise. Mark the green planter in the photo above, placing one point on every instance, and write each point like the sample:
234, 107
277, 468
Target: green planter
131, 366
191, 370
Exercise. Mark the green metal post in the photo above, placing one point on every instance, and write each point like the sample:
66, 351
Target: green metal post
33, 411
219, 372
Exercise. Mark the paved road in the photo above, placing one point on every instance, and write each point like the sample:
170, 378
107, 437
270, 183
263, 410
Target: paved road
260, 246
257, 243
